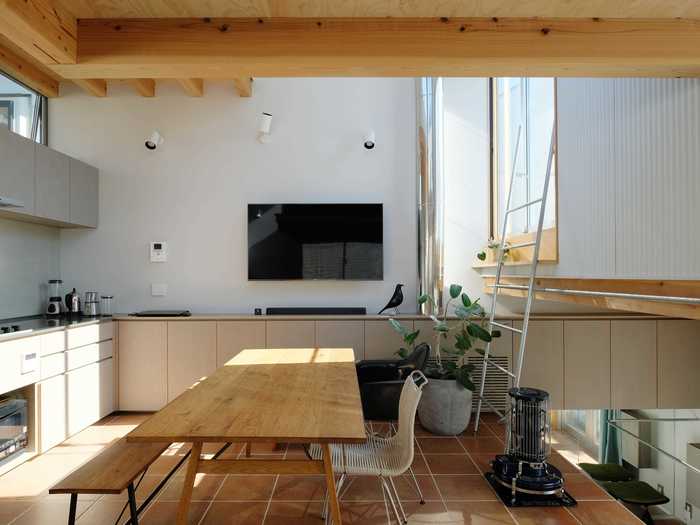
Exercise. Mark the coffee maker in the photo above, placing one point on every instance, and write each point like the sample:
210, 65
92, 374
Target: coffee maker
53, 307
73, 304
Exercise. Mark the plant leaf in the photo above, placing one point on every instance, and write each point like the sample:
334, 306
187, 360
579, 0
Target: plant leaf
442, 327
422, 299
481, 256
464, 378
411, 338
455, 290
476, 331
402, 353
466, 301
398, 327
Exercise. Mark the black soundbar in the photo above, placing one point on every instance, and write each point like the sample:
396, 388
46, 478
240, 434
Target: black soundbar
332, 310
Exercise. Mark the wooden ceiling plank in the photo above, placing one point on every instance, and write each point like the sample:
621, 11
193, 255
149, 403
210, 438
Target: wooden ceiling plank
42, 28
235, 48
146, 87
24, 71
194, 87
243, 86
94, 86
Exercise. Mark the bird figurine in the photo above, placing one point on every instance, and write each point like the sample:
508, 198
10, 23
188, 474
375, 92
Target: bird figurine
395, 300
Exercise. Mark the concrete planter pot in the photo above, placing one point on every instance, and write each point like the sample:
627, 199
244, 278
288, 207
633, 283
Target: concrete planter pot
445, 407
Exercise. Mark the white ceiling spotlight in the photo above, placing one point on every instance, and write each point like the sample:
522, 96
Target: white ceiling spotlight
155, 140
370, 140
264, 127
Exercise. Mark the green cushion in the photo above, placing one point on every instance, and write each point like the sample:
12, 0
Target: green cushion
635, 492
606, 471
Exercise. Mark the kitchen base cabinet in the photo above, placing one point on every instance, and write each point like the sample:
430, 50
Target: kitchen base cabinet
291, 334
381, 340
633, 364
234, 336
586, 364
543, 366
90, 394
143, 365
191, 354
53, 412
679, 362
342, 334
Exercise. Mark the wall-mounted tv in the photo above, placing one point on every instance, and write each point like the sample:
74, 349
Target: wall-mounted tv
315, 241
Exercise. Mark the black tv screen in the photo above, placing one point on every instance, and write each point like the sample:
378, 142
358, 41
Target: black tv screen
315, 241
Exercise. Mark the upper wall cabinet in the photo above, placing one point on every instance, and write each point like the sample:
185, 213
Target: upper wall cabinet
50, 187
17, 171
52, 183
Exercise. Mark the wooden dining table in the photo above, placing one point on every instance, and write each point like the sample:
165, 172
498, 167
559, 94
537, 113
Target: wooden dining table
286, 395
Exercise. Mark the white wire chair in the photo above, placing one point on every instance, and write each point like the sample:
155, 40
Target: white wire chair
384, 457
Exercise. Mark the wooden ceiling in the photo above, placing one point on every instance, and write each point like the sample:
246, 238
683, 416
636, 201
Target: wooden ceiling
43, 41
383, 8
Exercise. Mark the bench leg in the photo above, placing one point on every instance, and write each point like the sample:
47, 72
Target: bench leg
132, 504
73, 509
188, 485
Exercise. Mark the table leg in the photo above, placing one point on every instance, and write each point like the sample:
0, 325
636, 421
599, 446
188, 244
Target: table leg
330, 484
72, 509
187, 487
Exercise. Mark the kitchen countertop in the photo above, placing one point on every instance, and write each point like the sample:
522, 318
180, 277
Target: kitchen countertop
37, 325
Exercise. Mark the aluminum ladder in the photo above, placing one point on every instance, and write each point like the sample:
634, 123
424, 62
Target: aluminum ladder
498, 285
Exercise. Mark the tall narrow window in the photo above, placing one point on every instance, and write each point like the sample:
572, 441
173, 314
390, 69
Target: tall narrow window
22, 110
524, 106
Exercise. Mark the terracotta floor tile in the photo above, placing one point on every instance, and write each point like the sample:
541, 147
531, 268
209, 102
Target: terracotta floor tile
235, 513
543, 516
563, 464
603, 513
205, 487
246, 488
50, 513
440, 445
104, 512
363, 513
164, 513
482, 444
430, 512
581, 487
363, 488
407, 489
163, 465
484, 430
450, 464
478, 513
300, 488
464, 487
482, 460
419, 466
294, 513
11, 509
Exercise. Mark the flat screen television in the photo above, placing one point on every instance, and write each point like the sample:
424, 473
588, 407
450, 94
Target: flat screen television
315, 241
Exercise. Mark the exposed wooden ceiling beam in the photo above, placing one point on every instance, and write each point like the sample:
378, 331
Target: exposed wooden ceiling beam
243, 86
27, 73
233, 48
146, 87
194, 87
94, 86
42, 28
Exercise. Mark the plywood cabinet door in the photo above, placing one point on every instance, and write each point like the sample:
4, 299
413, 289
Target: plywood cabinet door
342, 334
17, 170
53, 415
106, 391
586, 364
633, 364
234, 336
83, 397
84, 194
191, 354
143, 365
679, 361
381, 340
291, 334
543, 366
52, 175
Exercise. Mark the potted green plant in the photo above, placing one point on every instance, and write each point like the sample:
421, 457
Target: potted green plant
446, 404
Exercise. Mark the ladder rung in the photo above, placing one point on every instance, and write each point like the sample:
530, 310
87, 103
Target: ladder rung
521, 245
506, 327
526, 205
492, 407
504, 370
513, 286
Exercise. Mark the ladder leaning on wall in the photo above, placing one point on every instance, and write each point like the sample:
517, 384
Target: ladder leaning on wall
498, 285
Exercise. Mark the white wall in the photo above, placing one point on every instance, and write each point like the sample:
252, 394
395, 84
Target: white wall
192, 192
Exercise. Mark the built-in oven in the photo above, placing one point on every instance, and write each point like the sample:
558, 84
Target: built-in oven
13, 426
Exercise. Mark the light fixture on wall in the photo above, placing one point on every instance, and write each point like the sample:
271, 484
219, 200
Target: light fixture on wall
155, 140
370, 140
264, 127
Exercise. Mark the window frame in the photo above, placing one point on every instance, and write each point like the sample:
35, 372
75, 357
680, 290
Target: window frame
40, 108
550, 252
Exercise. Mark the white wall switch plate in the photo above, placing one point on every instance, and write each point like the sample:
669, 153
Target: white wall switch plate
159, 251
159, 290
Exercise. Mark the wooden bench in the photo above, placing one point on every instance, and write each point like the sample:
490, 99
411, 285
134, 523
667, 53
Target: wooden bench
111, 472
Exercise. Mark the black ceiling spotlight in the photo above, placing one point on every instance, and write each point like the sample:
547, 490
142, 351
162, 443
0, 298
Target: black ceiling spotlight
522, 477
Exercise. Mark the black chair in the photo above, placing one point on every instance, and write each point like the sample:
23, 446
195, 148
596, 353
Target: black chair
381, 381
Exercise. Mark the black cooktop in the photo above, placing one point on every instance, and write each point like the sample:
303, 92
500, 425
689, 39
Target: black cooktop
163, 313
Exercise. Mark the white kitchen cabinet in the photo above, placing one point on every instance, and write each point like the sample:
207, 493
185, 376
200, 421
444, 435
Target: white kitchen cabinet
17, 171
191, 354
85, 355
89, 334
52, 183
84, 194
90, 394
20, 363
53, 412
143, 365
